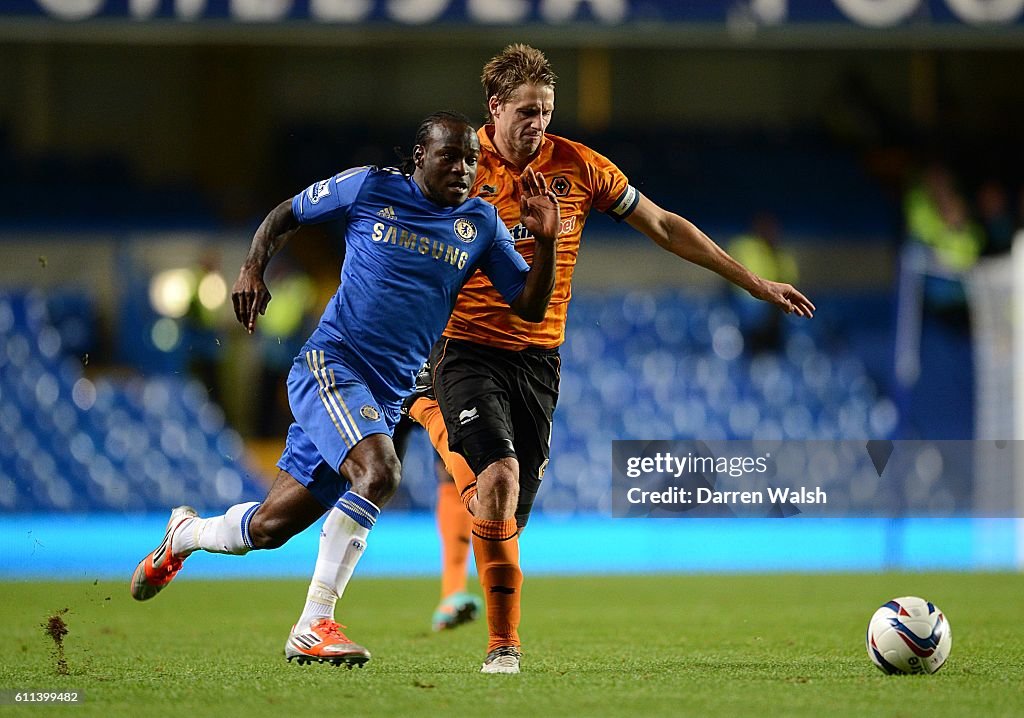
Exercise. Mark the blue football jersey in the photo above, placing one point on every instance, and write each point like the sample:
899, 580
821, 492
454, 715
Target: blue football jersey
406, 259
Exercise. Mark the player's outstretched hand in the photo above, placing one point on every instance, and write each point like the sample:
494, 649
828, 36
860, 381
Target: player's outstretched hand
250, 297
785, 297
538, 206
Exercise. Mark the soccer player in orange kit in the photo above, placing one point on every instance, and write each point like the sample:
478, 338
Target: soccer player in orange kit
494, 376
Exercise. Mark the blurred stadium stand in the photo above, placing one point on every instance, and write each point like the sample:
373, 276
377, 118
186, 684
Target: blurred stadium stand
116, 170
640, 365
71, 444
816, 187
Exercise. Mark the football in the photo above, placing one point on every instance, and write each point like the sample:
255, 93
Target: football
909, 635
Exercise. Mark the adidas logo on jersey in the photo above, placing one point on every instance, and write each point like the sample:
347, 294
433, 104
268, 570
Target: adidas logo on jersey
387, 213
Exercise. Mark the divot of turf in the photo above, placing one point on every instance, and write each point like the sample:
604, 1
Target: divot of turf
56, 629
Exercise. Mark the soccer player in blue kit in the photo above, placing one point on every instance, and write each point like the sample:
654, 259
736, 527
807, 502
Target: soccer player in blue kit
413, 237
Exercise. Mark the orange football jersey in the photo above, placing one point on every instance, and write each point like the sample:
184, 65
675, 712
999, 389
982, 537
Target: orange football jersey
581, 179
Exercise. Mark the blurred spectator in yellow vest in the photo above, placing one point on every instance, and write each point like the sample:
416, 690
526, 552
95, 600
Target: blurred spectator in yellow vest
938, 222
937, 217
759, 251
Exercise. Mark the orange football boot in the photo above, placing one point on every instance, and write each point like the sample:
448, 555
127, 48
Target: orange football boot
161, 566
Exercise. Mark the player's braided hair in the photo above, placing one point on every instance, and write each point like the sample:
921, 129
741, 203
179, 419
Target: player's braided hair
408, 165
514, 66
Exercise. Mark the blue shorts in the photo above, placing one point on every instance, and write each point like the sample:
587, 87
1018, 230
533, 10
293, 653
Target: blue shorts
334, 410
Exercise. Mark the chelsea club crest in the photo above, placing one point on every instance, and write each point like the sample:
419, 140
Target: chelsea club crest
465, 230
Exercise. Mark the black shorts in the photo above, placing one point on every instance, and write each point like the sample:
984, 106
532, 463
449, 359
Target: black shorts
403, 431
498, 403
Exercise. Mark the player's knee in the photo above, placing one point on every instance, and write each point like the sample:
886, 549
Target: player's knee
380, 482
383, 484
498, 487
373, 469
506, 486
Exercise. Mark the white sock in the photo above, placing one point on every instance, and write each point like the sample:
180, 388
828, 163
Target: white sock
342, 542
219, 534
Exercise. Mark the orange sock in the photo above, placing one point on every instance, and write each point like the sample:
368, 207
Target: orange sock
427, 414
454, 525
496, 547
495, 543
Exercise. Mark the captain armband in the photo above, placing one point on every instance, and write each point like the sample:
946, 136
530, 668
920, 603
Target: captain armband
625, 204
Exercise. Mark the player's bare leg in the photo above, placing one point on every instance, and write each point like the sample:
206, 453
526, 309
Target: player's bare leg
496, 547
373, 469
495, 537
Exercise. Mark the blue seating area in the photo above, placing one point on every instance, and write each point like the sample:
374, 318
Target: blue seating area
668, 365
69, 443
640, 365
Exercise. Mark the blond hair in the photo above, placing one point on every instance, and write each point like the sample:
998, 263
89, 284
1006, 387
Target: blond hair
513, 67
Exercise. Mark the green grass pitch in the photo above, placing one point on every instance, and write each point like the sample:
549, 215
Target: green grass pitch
771, 645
